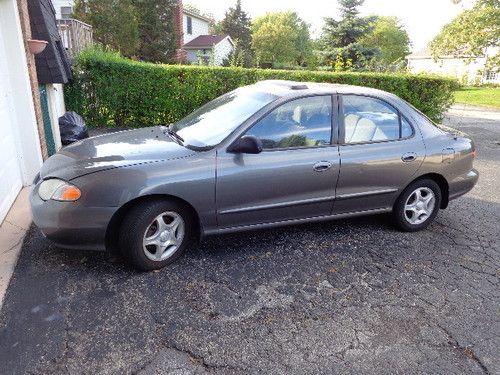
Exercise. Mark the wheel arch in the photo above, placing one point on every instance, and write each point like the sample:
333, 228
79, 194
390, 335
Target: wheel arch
442, 183
112, 230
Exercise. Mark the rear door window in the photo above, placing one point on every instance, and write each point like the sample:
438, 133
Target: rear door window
368, 119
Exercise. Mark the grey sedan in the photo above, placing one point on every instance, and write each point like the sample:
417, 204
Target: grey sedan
274, 153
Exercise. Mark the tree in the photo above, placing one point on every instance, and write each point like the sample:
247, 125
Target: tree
114, 23
303, 42
471, 32
142, 29
389, 37
236, 24
341, 37
281, 38
157, 38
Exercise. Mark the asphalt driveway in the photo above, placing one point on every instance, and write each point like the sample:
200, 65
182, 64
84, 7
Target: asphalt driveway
351, 296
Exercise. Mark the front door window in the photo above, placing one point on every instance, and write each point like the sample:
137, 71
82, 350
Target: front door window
305, 122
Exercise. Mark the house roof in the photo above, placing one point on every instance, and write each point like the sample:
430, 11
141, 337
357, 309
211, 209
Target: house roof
52, 65
196, 15
205, 41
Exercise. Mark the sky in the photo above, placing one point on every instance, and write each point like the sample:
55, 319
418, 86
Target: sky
423, 19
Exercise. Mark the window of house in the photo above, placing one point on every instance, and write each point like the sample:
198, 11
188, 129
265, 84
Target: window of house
490, 75
304, 122
189, 23
66, 12
370, 120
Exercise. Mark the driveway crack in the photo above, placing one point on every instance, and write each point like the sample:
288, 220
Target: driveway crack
466, 350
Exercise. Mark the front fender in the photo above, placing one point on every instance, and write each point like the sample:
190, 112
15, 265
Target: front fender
191, 179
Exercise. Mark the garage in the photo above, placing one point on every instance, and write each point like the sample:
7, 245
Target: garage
10, 171
20, 155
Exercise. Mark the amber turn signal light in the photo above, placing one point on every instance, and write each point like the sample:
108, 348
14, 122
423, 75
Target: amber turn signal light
67, 193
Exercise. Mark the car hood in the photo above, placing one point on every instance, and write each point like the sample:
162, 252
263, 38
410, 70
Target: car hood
121, 149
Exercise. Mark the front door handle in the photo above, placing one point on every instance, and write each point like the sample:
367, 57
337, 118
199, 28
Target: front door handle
322, 166
409, 157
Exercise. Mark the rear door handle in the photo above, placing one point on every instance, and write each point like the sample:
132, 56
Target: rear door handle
409, 157
322, 166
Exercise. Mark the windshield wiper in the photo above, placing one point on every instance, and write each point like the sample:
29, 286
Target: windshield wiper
168, 130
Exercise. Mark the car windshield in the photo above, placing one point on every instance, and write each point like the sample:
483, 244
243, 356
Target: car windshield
210, 124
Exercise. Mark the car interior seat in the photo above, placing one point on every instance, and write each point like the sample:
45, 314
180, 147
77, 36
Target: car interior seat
364, 130
350, 122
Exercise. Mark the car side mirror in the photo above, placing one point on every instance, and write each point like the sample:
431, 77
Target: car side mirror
248, 144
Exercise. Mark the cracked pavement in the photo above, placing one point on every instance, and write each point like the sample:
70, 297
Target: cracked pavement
348, 296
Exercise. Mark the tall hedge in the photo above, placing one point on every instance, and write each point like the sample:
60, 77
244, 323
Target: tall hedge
109, 90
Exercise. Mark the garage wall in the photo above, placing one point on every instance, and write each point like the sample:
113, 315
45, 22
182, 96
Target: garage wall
10, 172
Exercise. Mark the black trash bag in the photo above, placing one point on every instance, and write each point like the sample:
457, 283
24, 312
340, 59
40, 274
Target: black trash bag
72, 128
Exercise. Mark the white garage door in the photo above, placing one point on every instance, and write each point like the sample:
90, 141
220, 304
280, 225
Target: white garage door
10, 173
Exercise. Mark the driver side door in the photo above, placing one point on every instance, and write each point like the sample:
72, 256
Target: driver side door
295, 175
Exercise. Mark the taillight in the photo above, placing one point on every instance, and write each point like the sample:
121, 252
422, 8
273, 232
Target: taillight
474, 153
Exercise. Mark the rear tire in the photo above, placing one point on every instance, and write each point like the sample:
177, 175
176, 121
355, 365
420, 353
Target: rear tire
417, 206
154, 234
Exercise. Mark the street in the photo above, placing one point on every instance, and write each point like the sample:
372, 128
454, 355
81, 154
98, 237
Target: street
350, 296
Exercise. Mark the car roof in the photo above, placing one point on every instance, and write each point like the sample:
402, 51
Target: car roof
284, 88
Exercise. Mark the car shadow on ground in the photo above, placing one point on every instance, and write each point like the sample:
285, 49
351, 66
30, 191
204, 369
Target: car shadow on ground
233, 244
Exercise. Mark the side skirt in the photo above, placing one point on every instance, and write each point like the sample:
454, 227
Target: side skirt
296, 221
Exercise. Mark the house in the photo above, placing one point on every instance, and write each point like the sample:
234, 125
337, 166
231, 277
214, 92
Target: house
52, 68
33, 68
467, 70
209, 49
30, 92
199, 45
194, 25
195, 44
63, 8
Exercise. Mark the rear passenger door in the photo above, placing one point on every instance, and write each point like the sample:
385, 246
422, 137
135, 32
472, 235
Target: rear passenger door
380, 152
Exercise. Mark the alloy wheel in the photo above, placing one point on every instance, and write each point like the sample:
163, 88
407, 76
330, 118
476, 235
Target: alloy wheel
163, 236
419, 205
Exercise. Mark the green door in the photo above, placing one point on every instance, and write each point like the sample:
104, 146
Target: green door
49, 136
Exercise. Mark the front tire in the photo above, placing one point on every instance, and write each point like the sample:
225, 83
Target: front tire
417, 206
155, 233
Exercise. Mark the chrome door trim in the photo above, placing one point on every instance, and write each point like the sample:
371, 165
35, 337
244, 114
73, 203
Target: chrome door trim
277, 205
365, 194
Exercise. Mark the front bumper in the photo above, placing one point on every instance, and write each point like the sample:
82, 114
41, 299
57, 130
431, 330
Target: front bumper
70, 224
463, 183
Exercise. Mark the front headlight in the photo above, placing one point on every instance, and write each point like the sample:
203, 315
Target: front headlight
58, 190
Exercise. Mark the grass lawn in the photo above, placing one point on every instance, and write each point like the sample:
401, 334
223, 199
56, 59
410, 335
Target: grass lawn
482, 96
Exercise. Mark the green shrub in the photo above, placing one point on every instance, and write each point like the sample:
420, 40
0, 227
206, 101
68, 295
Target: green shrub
109, 90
